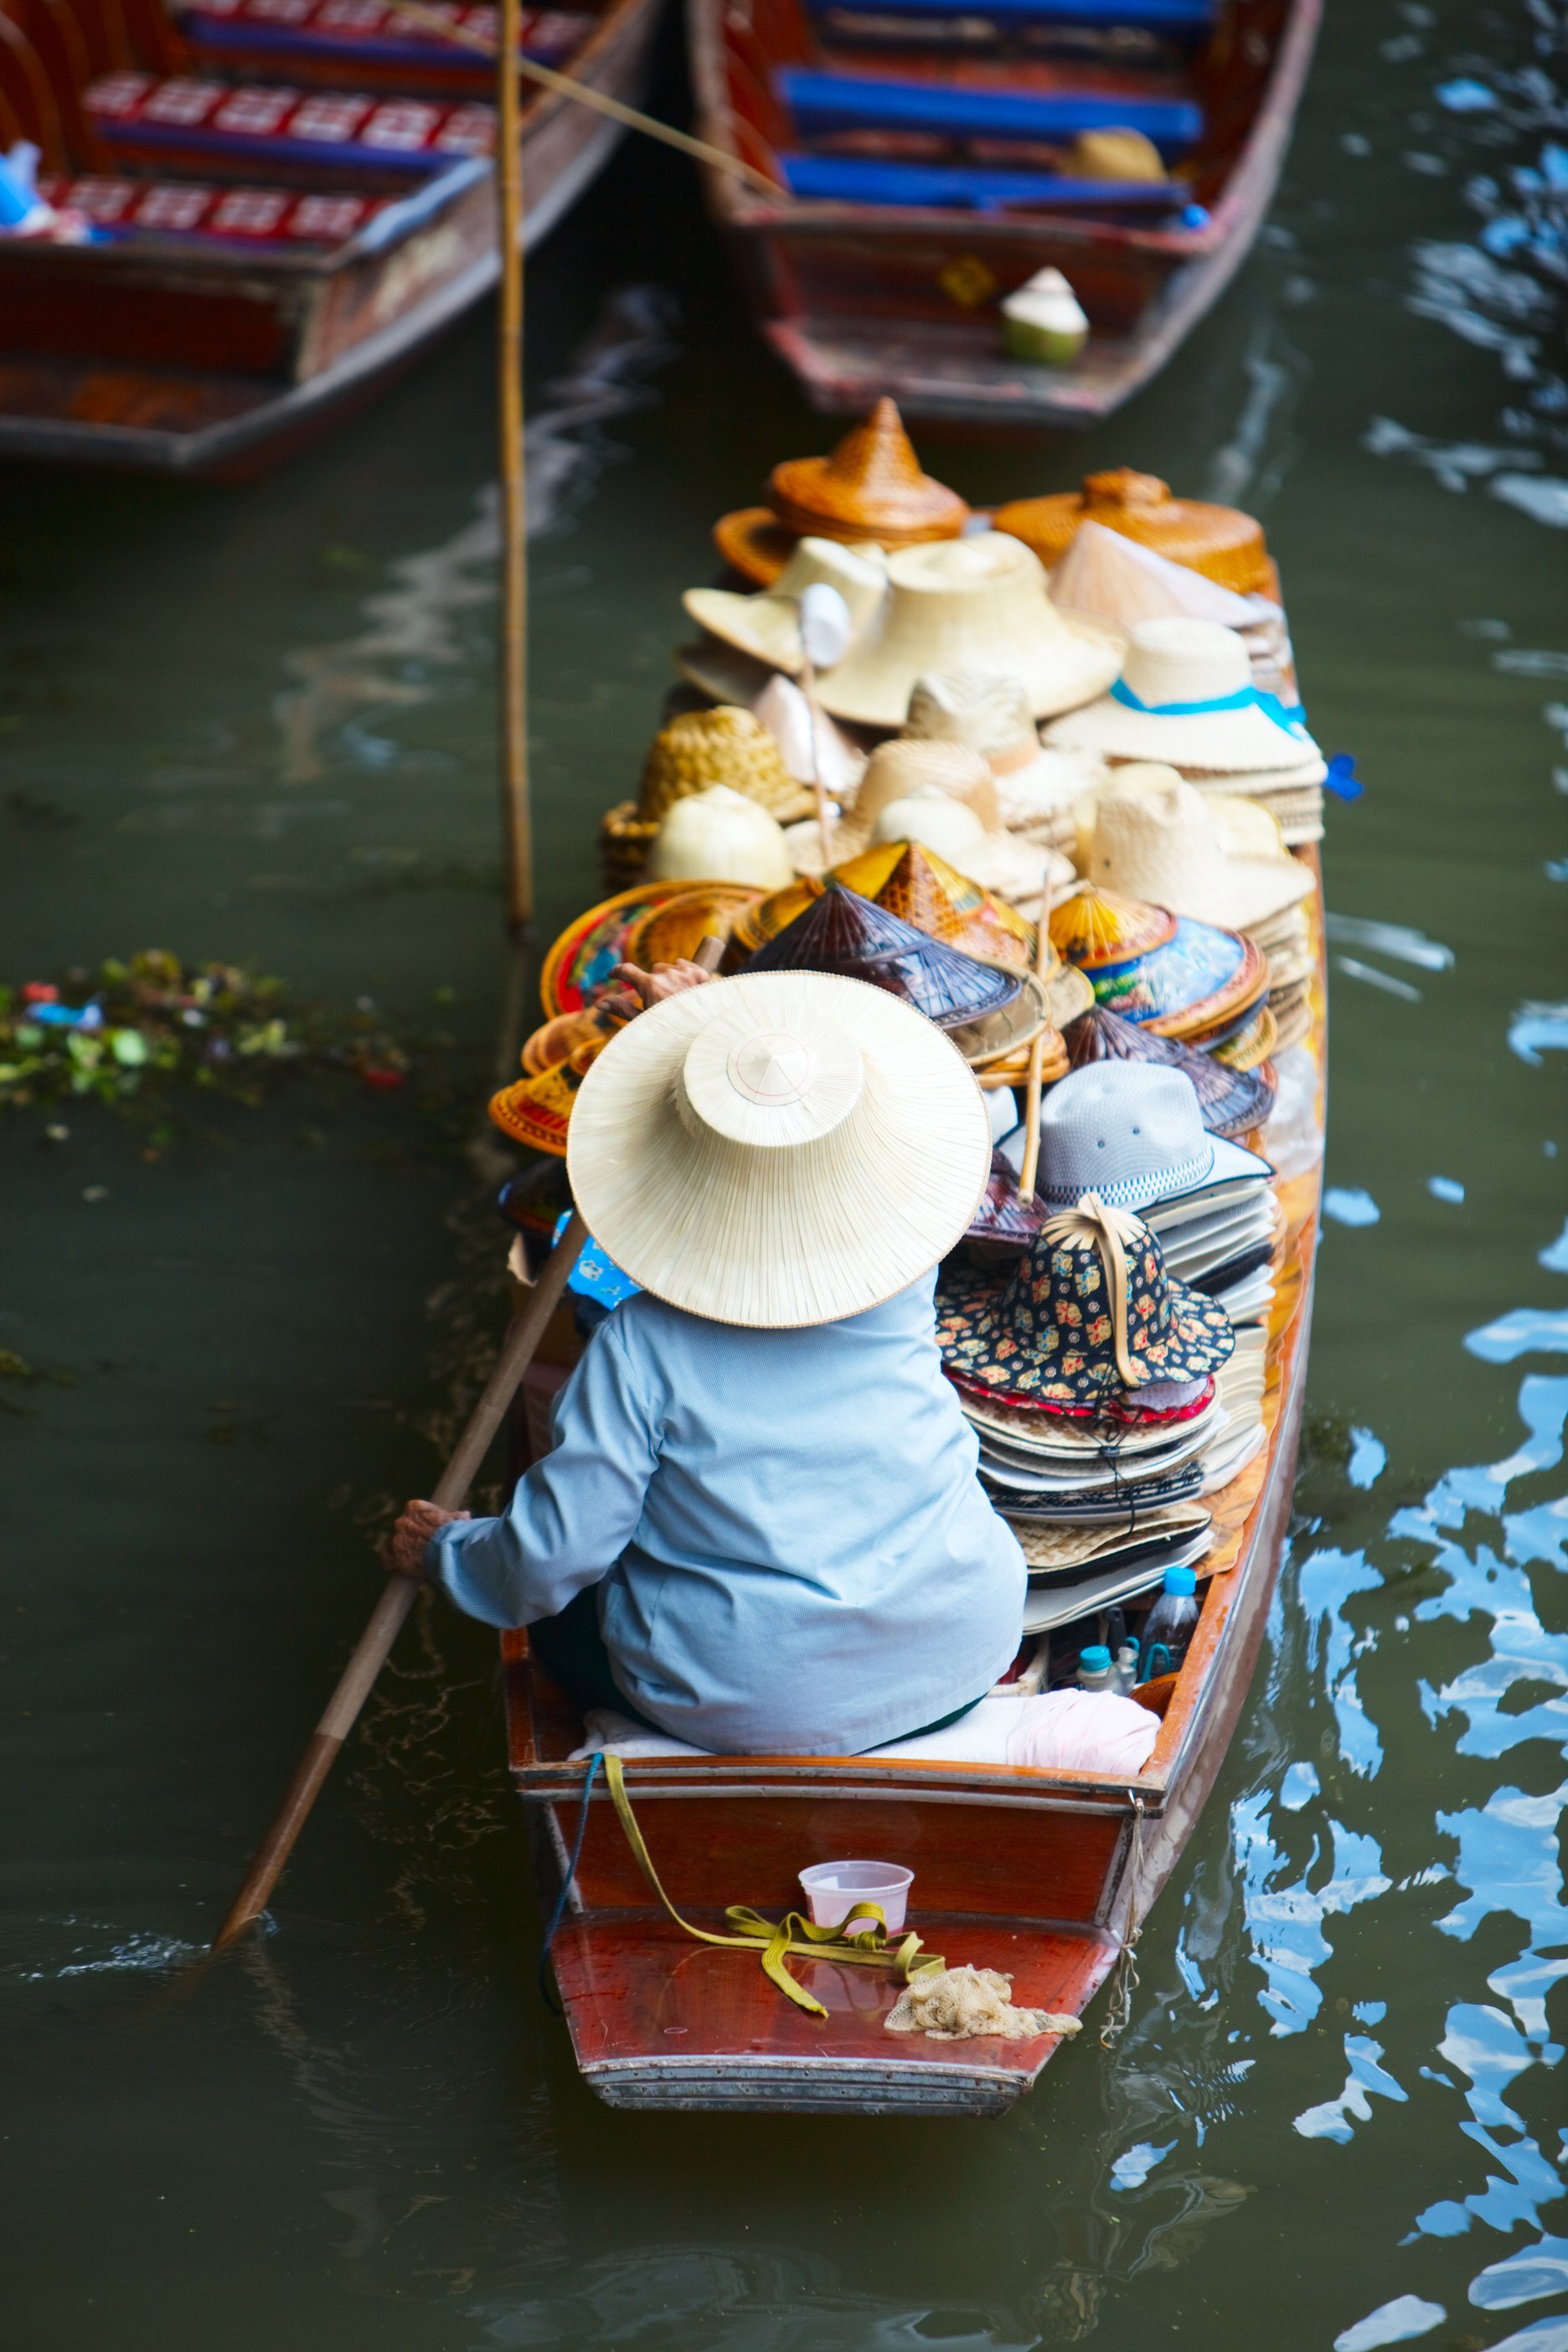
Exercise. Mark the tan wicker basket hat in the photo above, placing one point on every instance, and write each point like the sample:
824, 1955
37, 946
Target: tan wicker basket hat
977, 605
870, 487
778, 1150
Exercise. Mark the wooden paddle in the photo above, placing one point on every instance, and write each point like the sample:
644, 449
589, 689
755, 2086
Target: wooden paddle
374, 1645
1036, 1053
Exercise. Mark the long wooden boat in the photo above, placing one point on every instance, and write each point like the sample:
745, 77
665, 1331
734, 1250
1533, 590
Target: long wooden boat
924, 159
293, 198
1045, 1875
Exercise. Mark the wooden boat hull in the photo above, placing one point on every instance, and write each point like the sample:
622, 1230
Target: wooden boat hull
861, 300
160, 356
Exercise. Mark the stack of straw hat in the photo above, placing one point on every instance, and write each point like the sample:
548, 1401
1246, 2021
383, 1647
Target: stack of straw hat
871, 489
1035, 789
1186, 697
944, 795
701, 748
1107, 573
1193, 981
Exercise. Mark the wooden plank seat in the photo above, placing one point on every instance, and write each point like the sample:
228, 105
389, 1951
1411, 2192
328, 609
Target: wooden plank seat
343, 41
826, 103
283, 218
235, 129
1192, 19
867, 180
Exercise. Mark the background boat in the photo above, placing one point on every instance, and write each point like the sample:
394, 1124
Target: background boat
925, 161
295, 196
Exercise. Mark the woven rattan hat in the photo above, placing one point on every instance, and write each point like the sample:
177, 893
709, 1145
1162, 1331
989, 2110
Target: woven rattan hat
1133, 1133
1105, 571
977, 605
699, 749
871, 488
767, 627
780, 1148
1155, 837
991, 715
914, 883
1229, 1102
1186, 696
1088, 1312
1218, 541
843, 933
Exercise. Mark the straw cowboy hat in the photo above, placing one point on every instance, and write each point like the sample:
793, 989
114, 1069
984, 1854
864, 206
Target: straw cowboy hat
778, 1150
1186, 696
943, 795
1088, 1314
1157, 838
767, 627
1133, 1133
1035, 789
976, 604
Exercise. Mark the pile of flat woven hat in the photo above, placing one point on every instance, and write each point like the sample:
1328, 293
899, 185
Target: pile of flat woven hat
1174, 975
1091, 1378
1148, 835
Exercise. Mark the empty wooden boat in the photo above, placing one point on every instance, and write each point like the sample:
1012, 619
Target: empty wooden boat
929, 164
292, 198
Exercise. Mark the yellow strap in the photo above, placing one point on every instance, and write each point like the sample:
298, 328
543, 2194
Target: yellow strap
1092, 1226
864, 1946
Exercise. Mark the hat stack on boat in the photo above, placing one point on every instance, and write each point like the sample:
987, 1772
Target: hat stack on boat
944, 796
1120, 578
870, 490
727, 748
1037, 790
1192, 982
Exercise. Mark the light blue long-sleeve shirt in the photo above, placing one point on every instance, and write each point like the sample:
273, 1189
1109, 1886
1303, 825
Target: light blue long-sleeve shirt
794, 1553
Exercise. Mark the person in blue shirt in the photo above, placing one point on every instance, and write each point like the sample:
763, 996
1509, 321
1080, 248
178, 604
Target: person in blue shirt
760, 1528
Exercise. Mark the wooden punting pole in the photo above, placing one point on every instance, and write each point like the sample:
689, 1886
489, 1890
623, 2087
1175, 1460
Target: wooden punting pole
516, 821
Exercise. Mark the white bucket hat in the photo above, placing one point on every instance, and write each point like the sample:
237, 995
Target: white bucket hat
767, 627
1157, 838
1187, 696
977, 605
1131, 1131
991, 715
781, 1149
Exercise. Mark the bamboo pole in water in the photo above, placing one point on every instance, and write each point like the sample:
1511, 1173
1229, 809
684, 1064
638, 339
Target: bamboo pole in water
517, 823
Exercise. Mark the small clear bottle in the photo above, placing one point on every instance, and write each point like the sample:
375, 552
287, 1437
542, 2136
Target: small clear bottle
1170, 1624
1095, 1670
1124, 1672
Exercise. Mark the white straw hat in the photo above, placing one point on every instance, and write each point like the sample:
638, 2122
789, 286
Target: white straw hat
901, 771
1157, 838
1105, 571
978, 604
781, 1149
1186, 696
719, 836
991, 715
767, 627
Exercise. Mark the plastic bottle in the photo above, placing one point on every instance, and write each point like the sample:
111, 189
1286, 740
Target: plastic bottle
1170, 1623
1124, 1672
1094, 1668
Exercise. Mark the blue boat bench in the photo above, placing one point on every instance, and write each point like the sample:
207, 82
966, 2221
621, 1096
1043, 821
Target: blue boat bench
823, 103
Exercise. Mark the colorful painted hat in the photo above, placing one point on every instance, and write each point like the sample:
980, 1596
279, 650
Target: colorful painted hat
1088, 1312
538, 1111
579, 965
1229, 1102
1098, 929
871, 488
674, 929
1218, 541
912, 882
1186, 696
1199, 983
842, 932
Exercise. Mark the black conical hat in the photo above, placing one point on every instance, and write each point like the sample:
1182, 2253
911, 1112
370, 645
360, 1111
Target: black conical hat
1231, 1102
843, 932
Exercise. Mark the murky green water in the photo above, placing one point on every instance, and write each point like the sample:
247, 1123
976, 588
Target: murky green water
256, 723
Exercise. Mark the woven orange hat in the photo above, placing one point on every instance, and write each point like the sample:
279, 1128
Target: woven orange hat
1219, 541
871, 488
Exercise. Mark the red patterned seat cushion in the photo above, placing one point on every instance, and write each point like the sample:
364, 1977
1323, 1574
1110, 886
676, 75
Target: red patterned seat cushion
250, 124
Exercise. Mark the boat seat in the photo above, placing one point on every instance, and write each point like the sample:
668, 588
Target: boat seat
824, 102
362, 37
241, 127
1189, 18
246, 216
862, 180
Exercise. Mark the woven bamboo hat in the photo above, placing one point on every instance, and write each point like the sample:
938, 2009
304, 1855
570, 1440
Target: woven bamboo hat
1155, 837
699, 749
871, 488
991, 715
1105, 571
913, 882
976, 604
778, 1150
767, 627
845, 934
1230, 1103
1186, 696
1218, 541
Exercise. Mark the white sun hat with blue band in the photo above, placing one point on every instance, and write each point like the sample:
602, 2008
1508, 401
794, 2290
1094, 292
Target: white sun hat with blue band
1186, 696
1132, 1132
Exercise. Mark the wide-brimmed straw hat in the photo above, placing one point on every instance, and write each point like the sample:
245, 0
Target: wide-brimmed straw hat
767, 627
848, 935
778, 1150
1231, 1103
871, 488
1133, 1133
1088, 1312
976, 604
1105, 571
1155, 837
1186, 696
1219, 541
1035, 788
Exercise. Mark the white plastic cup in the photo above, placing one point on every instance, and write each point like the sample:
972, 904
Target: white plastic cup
833, 1889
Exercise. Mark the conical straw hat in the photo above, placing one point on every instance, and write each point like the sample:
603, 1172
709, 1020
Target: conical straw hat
913, 883
767, 627
977, 605
778, 1150
842, 932
1105, 571
1157, 838
1218, 541
870, 487
1186, 696
1099, 929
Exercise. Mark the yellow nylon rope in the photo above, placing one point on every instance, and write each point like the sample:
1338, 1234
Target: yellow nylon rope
865, 1947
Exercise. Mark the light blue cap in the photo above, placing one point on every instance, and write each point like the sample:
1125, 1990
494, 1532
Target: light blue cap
1181, 1580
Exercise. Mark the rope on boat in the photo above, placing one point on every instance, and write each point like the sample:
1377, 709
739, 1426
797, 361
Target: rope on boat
566, 85
559, 1912
1124, 1983
865, 1947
